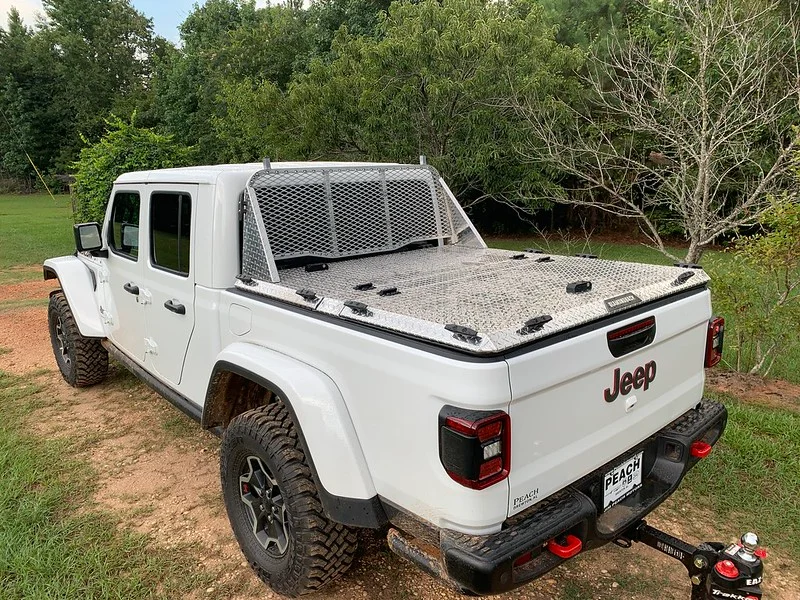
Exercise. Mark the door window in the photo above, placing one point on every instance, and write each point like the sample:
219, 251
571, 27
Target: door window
123, 235
170, 230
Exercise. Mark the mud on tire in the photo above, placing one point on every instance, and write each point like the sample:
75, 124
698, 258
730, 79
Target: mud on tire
82, 361
317, 550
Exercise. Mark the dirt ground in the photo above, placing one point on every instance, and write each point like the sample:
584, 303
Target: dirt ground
159, 473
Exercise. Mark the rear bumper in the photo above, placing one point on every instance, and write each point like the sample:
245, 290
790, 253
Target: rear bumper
518, 553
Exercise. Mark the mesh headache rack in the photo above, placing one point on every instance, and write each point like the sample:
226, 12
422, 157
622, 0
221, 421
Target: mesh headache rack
452, 291
342, 212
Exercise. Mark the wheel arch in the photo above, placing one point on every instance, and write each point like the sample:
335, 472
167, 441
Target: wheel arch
245, 376
78, 284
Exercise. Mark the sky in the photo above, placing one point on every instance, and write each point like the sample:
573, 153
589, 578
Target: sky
166, 14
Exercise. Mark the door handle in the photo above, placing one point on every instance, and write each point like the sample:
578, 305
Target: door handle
175, 307
131, 288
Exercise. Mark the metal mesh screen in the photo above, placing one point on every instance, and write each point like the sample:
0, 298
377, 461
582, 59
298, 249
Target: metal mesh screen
254, 258
464, 232
338, 212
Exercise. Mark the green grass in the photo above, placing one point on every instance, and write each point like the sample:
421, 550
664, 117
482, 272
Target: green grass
752, 478
630, 252
574, 589
180, 426
9, 305
33, 228
608, 250
54, 542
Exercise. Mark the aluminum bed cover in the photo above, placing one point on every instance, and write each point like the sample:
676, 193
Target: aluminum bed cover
493, 292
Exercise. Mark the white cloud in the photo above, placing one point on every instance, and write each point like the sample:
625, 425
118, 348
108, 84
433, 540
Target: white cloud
28, 9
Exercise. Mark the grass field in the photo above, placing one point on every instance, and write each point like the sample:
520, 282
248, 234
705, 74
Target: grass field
33, 228
611, 251
753, 475
54, 543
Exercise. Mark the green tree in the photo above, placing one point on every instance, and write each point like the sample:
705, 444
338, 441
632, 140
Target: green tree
252, 123
326, 17
758, 289
433, 81
272, 49
59, 80
188, 80
102, 49
123, 148
31, 123
586, 23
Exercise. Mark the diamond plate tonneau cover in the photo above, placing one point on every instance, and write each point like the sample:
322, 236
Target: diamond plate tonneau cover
493, 292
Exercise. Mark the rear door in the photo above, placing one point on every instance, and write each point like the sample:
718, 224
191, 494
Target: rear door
123, 314
575, 406
169, 272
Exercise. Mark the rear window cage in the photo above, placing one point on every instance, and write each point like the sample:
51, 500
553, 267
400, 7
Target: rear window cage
334, 213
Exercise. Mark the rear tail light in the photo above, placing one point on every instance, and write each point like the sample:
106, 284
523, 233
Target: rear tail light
475, 446
714, 340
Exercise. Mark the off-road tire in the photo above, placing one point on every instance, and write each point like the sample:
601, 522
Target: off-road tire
319, 550
83, 361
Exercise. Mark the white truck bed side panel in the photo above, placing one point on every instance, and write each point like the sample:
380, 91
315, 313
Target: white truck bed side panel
204, 345
393, 394
320, 409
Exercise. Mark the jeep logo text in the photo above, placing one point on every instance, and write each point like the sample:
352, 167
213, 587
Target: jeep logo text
641, 378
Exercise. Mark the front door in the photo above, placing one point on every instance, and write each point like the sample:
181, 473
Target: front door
122, 311
169, 272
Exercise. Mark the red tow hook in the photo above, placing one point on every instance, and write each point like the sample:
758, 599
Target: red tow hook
700, 449
571, 546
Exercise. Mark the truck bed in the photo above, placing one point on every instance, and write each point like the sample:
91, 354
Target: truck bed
488, 294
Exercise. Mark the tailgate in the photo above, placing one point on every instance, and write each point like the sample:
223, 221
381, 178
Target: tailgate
563, 427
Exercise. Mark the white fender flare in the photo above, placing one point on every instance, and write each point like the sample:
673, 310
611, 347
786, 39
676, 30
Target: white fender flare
78, 285
325, 428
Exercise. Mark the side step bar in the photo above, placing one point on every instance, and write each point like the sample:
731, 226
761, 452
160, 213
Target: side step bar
178, 400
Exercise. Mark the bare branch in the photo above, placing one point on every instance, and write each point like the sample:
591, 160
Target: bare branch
712, 101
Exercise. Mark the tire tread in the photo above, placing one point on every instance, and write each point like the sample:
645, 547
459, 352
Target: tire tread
91, 359
325, 549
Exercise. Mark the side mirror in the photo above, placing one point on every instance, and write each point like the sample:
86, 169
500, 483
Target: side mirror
88, 237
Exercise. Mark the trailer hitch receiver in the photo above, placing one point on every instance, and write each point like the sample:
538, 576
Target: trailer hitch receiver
716, 570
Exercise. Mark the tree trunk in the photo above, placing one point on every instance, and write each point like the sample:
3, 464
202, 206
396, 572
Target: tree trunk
694, 253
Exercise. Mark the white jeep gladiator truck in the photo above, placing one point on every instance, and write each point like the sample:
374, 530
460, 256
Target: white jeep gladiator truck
369, 362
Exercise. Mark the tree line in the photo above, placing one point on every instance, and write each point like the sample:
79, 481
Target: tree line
678, 113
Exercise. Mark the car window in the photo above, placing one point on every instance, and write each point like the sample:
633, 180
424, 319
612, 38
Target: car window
123, 235
170, 230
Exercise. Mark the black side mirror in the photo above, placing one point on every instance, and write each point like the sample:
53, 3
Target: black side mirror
88, 237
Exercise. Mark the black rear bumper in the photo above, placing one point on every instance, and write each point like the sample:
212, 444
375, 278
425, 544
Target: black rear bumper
518, 553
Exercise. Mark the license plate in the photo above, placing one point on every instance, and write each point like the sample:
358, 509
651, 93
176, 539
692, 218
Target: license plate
621, 481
